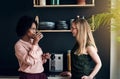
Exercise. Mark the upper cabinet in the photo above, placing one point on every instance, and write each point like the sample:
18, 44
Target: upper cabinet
63, 3
59, 3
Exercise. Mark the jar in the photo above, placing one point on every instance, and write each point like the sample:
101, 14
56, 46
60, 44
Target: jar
69, 60
54, 2
71, 20
43, 2
81, 2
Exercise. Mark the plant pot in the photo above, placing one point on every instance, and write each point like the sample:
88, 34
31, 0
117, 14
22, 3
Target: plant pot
81, 2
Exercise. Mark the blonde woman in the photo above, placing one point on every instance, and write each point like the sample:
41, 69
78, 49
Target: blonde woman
85, 61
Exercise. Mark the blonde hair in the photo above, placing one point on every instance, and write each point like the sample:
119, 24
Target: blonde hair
84, 36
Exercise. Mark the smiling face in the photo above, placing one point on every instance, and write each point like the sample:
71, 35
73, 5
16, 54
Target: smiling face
74, 29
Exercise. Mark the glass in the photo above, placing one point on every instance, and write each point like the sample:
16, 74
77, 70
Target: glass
54, 2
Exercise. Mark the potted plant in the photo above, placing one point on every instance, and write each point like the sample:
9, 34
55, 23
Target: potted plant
99, 20
112, 17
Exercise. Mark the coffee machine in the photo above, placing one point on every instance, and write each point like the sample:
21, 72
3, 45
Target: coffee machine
56, 63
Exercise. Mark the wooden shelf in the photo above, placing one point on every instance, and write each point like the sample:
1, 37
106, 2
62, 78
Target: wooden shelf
87, 5
54, 30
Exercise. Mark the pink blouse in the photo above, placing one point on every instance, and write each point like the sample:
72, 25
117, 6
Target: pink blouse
29, 57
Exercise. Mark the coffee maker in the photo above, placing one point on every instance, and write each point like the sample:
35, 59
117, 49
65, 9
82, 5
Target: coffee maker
56, 63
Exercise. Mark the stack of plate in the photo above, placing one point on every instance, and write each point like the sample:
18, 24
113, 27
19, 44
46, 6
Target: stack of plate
46, 26
61, 25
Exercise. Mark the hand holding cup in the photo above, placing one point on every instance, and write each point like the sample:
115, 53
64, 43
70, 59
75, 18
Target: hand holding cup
37, 37
46, 55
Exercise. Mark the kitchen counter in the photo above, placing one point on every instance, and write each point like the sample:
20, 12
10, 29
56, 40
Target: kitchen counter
49, 77
57, 77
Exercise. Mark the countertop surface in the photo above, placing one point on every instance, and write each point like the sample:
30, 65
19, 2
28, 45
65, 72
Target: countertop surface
49, 77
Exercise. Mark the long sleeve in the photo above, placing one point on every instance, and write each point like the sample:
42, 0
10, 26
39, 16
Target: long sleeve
29, 57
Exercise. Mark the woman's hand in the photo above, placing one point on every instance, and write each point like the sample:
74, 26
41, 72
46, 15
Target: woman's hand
66, 73
46, 56
86, 77
37, 38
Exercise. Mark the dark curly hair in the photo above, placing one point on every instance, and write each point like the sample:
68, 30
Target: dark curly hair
24, 24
